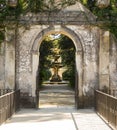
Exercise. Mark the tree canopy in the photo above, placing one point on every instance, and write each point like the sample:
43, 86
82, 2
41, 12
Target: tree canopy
68, 55
107, 14
67, 52
10, 11
45, 58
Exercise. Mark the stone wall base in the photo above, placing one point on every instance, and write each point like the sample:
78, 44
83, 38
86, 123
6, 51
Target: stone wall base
83, 102
27, 102
86, 102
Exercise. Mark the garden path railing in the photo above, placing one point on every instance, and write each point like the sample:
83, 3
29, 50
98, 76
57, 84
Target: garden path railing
106, 107
9, 104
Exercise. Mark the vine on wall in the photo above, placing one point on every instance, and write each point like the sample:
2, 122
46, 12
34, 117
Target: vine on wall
107, 13
10, 10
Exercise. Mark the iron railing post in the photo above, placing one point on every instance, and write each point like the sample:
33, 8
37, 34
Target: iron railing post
9, 104
106, 107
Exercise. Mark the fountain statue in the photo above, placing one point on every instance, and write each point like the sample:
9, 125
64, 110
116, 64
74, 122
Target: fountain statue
56, 65
56, 69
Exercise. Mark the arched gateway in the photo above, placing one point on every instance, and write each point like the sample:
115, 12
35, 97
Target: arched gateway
93, 67
79, 51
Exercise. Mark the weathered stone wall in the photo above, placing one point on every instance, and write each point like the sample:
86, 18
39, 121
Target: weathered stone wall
104, 60
24, 56
24, 63
73, 22
10, 57
96, 53
2, 67
113, 62
90, 42
89, 38
7, 60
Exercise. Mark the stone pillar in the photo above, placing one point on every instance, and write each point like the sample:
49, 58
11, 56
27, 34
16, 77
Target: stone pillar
104, 60
79, 73
10, 58
35, 65
2, 68
35, 77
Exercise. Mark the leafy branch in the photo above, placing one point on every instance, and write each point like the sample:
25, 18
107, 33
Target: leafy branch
107, 14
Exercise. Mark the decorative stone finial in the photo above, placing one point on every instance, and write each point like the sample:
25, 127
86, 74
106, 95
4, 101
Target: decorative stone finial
102, 3
12, 3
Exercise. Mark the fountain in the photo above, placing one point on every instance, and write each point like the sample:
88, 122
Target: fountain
56, 69
56, 65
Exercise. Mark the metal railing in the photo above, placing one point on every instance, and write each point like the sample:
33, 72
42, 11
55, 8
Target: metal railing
9, 104
106, 107
5, 91
113, 92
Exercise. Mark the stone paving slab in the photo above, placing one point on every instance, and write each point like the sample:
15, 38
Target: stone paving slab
56, 113
60, 118
56, 95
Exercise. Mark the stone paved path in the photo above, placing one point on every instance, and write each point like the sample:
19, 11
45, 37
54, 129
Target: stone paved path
55, 119
57, 112
56, 95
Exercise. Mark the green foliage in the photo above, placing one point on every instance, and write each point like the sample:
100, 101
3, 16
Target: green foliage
1, 36
67, 52
9, 13
45, 59
107, 14
25, 6
68, 55
70, 76
44, 75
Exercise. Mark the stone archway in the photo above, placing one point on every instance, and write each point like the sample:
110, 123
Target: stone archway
85, 39
78, 56
72, 22
95, 52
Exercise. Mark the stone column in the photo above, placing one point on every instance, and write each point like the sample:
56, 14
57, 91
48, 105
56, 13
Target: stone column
35, 65
79, 73
2, 69
10, 57
104, 60
35, 76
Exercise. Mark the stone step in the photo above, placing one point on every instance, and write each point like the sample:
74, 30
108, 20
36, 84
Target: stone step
56, 94
58, 102
56, 99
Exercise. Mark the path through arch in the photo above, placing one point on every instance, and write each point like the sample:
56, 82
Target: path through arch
57, 96
78, 57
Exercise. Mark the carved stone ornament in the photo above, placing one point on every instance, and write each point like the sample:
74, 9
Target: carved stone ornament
12, 3
102, 3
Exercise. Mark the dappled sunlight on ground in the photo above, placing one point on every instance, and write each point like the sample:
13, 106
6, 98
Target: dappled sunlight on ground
56, 95
33, 119
56, 112
55, 119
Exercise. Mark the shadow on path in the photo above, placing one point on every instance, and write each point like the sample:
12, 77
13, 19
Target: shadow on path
56, 95
55, 119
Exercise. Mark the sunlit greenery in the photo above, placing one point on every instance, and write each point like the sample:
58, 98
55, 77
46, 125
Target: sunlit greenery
67, 53
1, 36
8, 13
12, 13
108, 14
45, 59
36, 6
